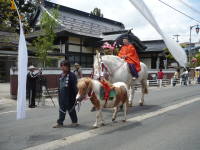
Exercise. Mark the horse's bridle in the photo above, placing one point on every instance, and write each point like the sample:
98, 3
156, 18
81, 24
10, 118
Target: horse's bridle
102, 66
108, 69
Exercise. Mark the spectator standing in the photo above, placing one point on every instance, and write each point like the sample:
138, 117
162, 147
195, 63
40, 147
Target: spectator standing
176, 77
31, 86
160, 76
78, 71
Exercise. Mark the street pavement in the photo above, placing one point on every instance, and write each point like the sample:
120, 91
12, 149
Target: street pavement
148, 127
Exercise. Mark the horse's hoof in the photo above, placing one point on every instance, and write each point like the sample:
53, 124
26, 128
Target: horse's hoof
141, 104
130, 105
102, 124
94, 127
123, 120
113, 120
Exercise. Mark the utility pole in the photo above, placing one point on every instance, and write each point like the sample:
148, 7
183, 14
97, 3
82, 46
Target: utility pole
197, 31
176, 37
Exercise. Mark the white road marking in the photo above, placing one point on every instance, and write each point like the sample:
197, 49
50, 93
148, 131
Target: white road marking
106, 129
11, 111
7, 112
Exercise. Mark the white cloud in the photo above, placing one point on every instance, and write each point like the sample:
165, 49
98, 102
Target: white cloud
169, 20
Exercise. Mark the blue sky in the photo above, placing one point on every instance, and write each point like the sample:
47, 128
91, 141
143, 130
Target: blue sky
170, 21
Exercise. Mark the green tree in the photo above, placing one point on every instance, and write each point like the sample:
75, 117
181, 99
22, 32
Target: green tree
197, 56
169, 56
9, 17
45, 42
97, 12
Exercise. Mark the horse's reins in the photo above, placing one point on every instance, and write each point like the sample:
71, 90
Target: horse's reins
73, 107
76, 103
108, 70
79, 102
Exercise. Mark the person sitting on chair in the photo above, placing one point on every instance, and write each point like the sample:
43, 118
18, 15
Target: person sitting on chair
129, 54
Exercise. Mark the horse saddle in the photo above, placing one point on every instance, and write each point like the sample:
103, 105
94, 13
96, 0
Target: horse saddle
112, 94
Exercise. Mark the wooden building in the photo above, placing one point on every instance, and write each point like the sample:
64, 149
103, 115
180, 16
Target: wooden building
80, 36
154, 55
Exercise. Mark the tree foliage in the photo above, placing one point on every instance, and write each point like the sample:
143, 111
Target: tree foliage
45, 42
97, 12
197, 56
9, 17
169, 55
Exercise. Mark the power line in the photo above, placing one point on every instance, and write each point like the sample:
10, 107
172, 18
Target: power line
189, 6
179, 11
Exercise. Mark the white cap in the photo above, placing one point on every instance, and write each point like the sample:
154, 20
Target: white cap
31, 67
76, 64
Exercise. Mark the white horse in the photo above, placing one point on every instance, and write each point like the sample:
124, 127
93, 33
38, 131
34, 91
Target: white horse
118, 71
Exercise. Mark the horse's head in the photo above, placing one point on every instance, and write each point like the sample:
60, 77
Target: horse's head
106, 65
84, 87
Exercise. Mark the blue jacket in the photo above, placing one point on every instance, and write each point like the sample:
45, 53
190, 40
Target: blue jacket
67, 90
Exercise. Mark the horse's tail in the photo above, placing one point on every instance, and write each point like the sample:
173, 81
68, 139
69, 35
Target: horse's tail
144, 78
144, 87
146, 90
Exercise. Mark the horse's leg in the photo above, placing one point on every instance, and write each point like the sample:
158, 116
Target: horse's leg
114, 113
125, 110
131, 96
97, 118
101, 118
144, 90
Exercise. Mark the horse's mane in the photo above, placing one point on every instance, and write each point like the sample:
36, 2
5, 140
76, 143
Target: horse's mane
82, 82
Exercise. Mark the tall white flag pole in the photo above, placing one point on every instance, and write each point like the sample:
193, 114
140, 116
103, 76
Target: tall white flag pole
175, 49
22, 72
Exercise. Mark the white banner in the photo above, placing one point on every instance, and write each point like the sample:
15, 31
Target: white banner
174, 48
22, 74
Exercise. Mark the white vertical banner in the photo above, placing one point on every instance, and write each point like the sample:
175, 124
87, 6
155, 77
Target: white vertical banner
22, 73
174, 48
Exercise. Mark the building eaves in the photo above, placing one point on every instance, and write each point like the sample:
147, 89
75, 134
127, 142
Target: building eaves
152, 41
62, 29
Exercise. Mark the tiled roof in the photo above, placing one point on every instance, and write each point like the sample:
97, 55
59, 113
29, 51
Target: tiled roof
82, 13
154, 45
82, 23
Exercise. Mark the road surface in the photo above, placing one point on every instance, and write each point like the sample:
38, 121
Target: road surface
168, 120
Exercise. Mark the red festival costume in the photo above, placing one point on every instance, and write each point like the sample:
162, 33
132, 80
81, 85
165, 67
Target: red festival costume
106, 88
130, 53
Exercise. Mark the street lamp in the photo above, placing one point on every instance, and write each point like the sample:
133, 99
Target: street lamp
197, 31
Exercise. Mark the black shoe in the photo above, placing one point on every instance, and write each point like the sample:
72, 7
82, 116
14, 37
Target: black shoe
32, 106
58, 126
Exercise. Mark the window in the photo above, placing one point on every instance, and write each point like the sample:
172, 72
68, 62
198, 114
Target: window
77, 59
85, 61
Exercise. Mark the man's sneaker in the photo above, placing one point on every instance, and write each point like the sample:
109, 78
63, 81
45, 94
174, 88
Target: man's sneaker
74, 125
58, 126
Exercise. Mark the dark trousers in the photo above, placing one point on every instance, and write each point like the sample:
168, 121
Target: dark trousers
63, 110
133, 71
32, 94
